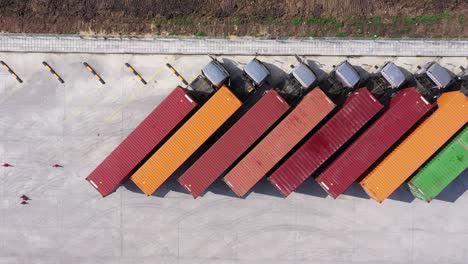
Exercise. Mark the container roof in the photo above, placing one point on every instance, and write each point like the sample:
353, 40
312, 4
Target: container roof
347, 75
439, 75
393, 74
304, 75
256, 71
215, 73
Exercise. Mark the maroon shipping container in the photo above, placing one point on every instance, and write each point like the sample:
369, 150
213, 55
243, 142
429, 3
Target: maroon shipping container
358, 109
404, 111
217, 159
312, 109
149, 133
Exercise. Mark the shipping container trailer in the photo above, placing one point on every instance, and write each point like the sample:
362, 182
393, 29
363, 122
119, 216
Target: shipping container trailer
418, 147
308, 113
245, 132
233, 143
148, 134
443, 169
159, 124
185, 141
405, 110
359, 109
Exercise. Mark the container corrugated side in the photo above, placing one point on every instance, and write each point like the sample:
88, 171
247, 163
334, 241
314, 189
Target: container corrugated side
147, 135
404, 111
444, 168
357, 111
312, 109
418, 147
178, 148
222, 154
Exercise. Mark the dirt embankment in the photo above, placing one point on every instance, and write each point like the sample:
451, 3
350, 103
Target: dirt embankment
268, 18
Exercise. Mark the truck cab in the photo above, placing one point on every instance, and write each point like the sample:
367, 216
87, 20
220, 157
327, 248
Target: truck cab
463, 77
343, 79
386, 80
215, 73
255, 74
298, 81
432, 79
212, 77
347, 75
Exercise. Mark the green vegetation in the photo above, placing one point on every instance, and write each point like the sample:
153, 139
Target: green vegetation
158, 21
376, 21
234, 21
324, 21
269, 20
428, 25
432, 19
182, 21
407, 24
342, 34
296, 21
462, 19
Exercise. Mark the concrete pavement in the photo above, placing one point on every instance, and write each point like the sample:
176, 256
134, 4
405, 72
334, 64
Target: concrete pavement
235, 46
78, 123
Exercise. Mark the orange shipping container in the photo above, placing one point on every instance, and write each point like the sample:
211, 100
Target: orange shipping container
418, 147
177, 149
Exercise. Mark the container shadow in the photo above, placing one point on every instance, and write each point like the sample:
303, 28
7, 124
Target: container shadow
266, 188
355, 190
312, 188
402, 194
455, 189
170, 185
219, 187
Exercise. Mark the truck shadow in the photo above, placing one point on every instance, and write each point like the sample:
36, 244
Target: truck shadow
277, 77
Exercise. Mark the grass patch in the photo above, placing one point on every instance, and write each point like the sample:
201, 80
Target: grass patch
235, 21
270, 20
324, 21
342, 34
462, 19
308, 35
408, 23
200, 34
182, 21
296, 21
432, 19
159, 21
376, 21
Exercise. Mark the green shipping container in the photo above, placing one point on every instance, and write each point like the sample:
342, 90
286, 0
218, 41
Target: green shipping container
445, 167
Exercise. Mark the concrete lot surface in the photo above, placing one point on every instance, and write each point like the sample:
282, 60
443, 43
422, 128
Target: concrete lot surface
77, 124
237, 46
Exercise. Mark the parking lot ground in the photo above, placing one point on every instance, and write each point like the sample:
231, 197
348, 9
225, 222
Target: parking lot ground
78, 123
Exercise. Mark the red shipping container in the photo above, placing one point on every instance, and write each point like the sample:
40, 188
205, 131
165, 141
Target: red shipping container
221, 155
148, 134
312, 109
404, 111
358, 109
